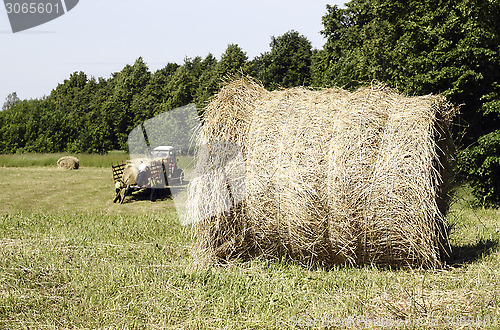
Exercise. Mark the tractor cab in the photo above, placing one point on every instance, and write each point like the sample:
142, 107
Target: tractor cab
164, 152
167, 155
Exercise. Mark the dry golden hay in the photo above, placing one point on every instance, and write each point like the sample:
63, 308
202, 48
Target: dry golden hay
130, 174
68, 163
324, 177
131, 170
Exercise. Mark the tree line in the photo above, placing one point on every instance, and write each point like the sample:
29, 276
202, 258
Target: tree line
417, 47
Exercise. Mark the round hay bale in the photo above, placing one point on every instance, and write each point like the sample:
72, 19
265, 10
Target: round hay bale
131, 170
68, 163
130, 174
324, 177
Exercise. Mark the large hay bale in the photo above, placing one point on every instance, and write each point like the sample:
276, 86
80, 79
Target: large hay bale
130, 173
324, 177
68, 163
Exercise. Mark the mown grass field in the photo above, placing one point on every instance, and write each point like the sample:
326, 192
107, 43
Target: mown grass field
70, 258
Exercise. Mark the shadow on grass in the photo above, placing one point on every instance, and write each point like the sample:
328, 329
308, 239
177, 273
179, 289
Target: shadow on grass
153, 195
462, 255
145, 195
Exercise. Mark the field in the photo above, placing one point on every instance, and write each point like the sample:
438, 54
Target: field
69, 258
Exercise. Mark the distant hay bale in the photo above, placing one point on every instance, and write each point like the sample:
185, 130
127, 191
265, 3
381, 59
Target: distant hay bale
324, 177
68, 163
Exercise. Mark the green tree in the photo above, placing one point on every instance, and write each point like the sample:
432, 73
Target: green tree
126, 84
480, 164
180, 89
231, 62
68, 108
207, 82
287, 64
10, 100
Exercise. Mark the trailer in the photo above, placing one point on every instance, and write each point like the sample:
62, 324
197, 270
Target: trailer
157, 172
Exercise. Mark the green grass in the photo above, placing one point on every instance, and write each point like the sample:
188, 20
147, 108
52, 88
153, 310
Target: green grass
70, 258
86, 160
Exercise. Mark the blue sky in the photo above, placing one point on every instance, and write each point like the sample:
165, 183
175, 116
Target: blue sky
101, 37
